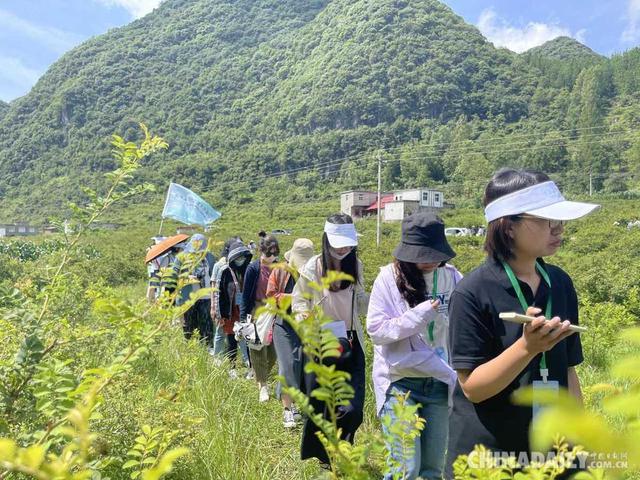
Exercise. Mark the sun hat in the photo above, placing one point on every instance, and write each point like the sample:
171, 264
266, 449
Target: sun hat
300, 253
423, 240
542, 200
341, 234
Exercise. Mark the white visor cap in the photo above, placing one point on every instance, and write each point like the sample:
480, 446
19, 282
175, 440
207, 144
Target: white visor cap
341, 235
542, 200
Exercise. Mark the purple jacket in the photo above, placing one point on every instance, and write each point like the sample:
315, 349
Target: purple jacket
398, 335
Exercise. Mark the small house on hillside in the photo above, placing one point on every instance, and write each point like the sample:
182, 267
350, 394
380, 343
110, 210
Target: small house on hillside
394, 205
19, 229
356, 202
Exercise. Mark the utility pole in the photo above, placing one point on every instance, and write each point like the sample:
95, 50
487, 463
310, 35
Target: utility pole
590, 183
379, 200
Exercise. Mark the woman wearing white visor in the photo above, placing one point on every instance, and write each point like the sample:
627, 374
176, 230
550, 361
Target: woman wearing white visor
526, 214
343, 302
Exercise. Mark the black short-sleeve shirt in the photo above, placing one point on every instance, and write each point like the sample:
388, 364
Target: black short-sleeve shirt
477, 335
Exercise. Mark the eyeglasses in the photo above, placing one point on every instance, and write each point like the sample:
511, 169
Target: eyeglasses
553, 224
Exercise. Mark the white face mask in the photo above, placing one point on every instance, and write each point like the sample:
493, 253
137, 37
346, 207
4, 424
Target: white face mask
335, 255
239, 262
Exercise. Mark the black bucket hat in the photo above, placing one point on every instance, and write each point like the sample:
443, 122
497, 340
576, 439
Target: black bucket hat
423, 240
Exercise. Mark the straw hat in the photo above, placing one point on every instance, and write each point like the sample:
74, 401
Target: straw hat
300, 253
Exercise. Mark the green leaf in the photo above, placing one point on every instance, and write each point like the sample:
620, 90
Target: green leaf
130, 464
32, 456
7, 449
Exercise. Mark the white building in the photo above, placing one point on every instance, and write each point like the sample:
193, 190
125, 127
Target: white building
359, 203
406, 202
425, 197
17, 229
399, 209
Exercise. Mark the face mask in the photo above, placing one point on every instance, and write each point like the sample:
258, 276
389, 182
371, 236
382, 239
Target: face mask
333, 253
238, 262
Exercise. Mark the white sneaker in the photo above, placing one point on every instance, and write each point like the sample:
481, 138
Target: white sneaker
233, 373
264, 394
297, 416
250, 374
289, 420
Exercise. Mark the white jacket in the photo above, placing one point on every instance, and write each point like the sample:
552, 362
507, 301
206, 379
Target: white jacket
311, 273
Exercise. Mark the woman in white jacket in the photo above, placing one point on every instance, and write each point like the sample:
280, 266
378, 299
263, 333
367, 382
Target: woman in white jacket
343, 302
408, 324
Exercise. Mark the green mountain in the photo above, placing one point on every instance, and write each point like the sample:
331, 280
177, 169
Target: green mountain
564, 48
244, 90
3, 108
561, 60
227, 82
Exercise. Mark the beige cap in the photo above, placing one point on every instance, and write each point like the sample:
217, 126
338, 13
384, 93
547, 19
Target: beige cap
300, 253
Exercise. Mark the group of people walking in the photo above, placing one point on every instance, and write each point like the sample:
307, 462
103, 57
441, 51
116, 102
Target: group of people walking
437, 336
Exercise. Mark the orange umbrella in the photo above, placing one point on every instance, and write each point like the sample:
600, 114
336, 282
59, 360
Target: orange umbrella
163, 246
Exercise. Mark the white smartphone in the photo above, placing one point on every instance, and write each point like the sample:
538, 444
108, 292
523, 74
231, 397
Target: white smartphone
519, 318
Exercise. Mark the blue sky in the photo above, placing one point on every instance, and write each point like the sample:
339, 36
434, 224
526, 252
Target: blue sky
35, 33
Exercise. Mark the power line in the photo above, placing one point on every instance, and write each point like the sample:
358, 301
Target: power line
471, 148
422, 144
459, 142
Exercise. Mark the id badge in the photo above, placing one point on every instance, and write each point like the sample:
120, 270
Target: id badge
540, 386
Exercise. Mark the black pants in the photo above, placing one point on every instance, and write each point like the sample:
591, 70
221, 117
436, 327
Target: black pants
198, 317
311, 446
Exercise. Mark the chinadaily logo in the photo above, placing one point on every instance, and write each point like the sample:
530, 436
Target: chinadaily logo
582, 460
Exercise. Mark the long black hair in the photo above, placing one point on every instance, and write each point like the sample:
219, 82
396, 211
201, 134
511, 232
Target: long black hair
410, 282
348, 264
498, 243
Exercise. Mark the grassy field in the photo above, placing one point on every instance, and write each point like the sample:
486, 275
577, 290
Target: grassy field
232, 436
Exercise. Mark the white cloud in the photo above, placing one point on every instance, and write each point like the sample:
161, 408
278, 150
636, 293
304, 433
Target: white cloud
137, 8
631, 33
51, 38
581, 35
15, 77
502, 34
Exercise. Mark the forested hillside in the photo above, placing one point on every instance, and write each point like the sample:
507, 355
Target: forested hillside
266, 87
565, 48
3, 108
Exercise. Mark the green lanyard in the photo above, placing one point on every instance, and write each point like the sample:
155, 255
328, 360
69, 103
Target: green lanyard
434, 296
544, 373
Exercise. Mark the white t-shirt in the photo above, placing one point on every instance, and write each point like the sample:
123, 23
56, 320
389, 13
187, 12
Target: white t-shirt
446, 285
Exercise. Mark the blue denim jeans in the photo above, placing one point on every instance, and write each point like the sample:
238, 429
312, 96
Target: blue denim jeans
219, 339
429, 449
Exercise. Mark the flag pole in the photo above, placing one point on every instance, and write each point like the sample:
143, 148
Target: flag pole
163, 209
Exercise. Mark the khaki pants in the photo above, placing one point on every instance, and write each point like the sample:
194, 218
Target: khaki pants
262, 362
